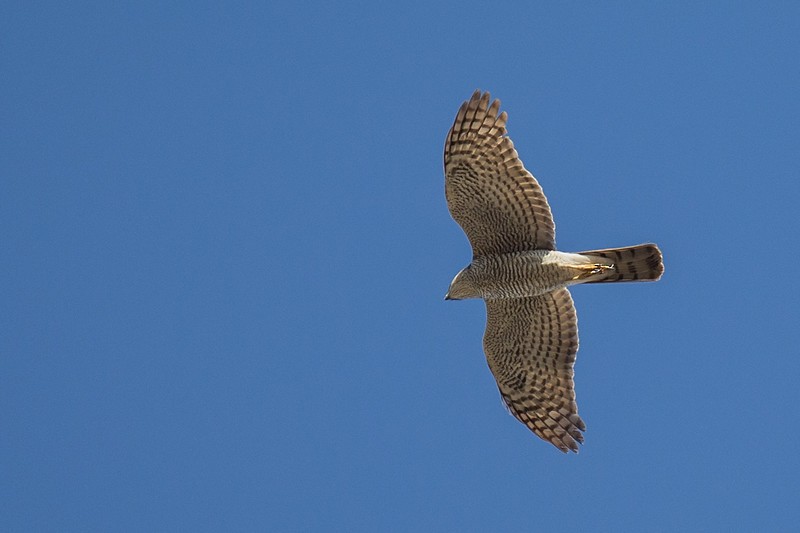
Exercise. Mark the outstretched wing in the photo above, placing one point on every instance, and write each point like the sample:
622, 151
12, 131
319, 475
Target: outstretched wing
531, 344
498, 203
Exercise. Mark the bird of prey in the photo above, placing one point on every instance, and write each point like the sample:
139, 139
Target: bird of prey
531, 337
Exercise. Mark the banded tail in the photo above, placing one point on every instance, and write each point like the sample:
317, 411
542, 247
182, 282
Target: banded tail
632, 263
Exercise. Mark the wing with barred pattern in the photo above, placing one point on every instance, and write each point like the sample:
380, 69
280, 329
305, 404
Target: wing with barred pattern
491, 195
531, 345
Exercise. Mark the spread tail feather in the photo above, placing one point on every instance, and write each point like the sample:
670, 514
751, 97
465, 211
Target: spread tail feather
632, 263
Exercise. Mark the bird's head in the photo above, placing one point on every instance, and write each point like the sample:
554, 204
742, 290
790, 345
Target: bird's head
462, 286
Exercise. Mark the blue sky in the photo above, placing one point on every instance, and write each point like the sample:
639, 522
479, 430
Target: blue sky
225, 248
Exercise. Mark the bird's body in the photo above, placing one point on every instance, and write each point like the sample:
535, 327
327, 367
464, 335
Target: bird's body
521, 274
531, 337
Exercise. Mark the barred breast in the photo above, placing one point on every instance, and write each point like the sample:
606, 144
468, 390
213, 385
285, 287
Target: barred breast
524, 274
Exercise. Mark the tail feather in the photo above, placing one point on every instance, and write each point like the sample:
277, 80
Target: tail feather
632, 263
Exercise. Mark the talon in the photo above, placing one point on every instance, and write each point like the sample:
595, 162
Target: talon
591, 270
600, 268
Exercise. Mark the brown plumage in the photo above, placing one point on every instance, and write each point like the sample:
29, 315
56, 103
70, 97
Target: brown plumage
531, 337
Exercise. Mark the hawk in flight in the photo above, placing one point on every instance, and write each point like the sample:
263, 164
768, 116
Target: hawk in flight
531, 336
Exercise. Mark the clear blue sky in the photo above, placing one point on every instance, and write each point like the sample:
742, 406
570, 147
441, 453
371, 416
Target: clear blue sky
225, 247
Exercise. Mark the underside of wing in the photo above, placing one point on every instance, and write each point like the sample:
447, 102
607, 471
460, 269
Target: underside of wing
497, 202
531, 345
